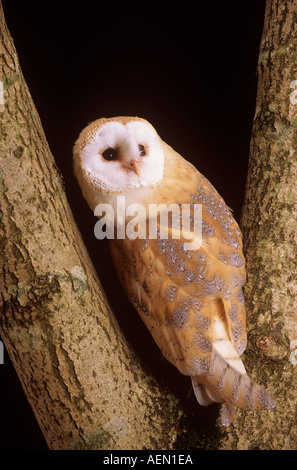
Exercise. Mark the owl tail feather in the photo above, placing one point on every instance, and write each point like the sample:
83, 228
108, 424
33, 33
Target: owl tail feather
229, 384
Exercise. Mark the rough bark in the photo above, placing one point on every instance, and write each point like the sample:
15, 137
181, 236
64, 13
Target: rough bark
269, 224
85, 386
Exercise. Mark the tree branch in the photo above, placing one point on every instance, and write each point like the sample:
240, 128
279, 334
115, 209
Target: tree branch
269, 224
85, 386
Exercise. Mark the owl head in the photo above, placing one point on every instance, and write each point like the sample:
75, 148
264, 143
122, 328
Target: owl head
115, 155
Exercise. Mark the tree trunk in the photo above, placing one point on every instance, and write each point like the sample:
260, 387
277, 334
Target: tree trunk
85, 386
269, 224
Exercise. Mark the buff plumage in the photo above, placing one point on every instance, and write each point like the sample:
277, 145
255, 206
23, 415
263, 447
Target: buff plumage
190, 300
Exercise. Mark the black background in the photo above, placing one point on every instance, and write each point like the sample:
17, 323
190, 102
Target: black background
189, 68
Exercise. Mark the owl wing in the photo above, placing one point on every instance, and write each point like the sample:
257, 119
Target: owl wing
191, 300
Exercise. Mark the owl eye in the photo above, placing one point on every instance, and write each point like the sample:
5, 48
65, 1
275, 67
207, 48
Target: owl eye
109, 154
142, 150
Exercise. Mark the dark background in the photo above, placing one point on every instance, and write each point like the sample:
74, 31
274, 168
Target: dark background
189, 68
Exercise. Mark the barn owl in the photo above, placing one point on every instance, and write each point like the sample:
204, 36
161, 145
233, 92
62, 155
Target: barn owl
190, 300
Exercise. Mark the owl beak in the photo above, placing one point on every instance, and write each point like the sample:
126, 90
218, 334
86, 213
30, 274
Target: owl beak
134, 166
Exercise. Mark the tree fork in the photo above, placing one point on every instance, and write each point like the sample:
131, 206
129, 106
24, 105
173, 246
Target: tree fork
85, 386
